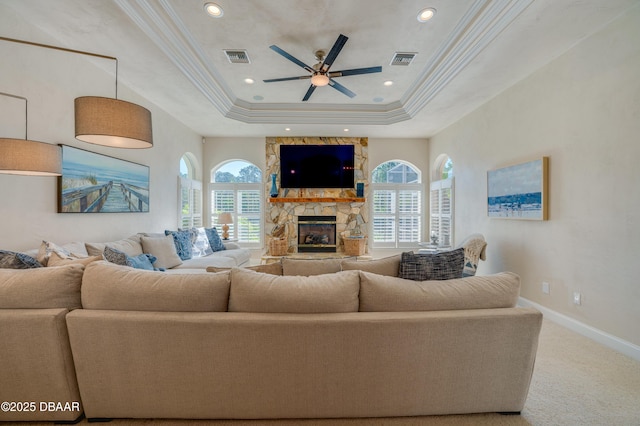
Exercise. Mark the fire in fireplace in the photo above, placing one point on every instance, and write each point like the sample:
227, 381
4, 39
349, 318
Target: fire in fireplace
316, 234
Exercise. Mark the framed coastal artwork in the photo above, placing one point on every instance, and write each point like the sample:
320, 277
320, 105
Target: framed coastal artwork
520, 191
96, 183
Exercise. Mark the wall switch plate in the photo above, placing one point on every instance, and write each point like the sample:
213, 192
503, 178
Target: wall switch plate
577, 298
545, 287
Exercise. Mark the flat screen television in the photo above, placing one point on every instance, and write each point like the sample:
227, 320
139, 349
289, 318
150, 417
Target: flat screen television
316, 166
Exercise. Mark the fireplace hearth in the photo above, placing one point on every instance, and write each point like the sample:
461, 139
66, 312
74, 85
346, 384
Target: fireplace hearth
316, 234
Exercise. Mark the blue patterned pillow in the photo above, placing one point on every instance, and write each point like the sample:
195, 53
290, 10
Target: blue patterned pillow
141, 261
214, 239
15, 260
182, 240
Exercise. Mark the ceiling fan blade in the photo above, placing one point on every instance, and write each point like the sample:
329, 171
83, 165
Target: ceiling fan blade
339, 87
354, 71
333, 53
302, 77
309, 92
291, 58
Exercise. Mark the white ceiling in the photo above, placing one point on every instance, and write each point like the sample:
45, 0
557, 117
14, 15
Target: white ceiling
171, 53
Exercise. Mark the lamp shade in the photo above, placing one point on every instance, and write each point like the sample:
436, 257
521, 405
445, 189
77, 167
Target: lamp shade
225, 218
112, 122
26, 157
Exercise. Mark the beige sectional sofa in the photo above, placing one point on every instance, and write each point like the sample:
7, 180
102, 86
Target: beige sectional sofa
358, 342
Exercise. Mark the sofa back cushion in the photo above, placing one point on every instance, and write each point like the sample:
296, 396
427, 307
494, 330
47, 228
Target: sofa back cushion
115, 287
257, 292
379, 293
270, 268
130, 246
388, 266
307, 267
41, 288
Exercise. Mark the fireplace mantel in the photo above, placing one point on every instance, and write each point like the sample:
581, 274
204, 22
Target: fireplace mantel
316, 199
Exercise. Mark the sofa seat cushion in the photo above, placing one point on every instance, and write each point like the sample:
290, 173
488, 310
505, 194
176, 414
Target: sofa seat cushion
386, 294
388, 266
114, 287
258, 292
41, 288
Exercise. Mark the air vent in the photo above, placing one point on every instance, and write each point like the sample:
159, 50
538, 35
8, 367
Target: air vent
237, 56
403, 58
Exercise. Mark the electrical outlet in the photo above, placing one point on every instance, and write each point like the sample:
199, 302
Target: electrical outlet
577, 298
545, 287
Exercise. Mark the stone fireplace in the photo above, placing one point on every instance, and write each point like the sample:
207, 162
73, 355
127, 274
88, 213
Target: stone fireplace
283, 212
316, 234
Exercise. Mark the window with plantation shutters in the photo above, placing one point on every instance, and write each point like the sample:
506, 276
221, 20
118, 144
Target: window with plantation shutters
396, 205
189, 194
236, 189
441, 215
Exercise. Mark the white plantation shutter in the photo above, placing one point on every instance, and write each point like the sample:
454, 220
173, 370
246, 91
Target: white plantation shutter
243, 201
441, 215
190, 193
397, 211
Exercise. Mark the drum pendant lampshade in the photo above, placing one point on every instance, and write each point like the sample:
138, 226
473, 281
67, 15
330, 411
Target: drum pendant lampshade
112, 122
27, 157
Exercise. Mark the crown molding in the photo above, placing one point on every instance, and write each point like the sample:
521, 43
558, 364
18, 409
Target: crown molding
482, 23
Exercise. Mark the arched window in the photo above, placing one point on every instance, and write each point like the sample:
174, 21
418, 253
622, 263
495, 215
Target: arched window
397, 205
236, 189
190, 193
442, 201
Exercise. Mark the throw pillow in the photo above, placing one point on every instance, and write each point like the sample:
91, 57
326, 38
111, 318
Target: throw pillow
164, 249
182, 240
200, 243
68, 251
141, 261
15, 260
214, 239
438, 266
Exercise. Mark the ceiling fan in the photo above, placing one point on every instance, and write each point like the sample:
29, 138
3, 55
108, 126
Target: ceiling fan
319, 73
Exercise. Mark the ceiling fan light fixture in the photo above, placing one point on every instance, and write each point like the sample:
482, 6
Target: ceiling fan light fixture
425, 14
213, 10
319, 80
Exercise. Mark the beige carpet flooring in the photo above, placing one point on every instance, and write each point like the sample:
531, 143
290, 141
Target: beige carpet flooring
576, 381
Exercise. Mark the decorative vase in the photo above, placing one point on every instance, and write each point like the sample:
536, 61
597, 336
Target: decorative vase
274, 186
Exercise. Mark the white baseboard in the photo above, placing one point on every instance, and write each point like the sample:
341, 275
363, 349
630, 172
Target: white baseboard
609, 340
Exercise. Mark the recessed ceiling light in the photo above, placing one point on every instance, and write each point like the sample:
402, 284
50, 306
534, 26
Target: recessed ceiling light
346, 130
213, 10
248, 80
388, 83
425, 14
287, 129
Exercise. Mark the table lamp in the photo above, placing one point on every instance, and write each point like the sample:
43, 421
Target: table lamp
225, 219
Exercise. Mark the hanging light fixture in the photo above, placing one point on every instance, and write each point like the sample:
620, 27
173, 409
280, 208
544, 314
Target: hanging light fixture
27, 157
107, 121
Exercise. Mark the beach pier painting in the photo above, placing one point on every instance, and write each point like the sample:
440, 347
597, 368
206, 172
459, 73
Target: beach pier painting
96, 183
519, 191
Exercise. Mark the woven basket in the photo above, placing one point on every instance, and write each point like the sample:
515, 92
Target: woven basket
278, 247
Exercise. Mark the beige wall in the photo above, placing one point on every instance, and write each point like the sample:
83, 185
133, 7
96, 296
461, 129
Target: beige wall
583, 111
51, 80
